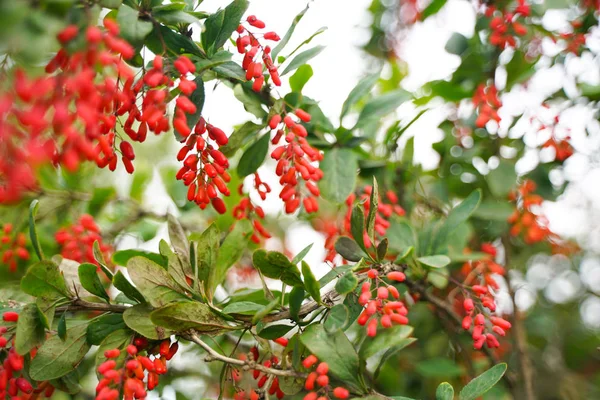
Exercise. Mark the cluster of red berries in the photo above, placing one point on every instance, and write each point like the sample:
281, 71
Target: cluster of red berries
386, 207
77, 241
69, 115
575, 40
204, 169
246, 210
381, 309
257, 55
13, 383
526, 219
130, 375
296, 159
13, 248
505, 27
484, 268
499, 326
487, 102
317, 382
261, 378
562, 147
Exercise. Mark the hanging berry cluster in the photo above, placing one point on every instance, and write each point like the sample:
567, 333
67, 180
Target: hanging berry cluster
561, 145
386, 207
255, 54
295, 159
70, 114
484, 269
526, 218
265, 382
498, 325
381, 309
13, 382
505, 27
12, 247
317, 381
487, 103
245, 209
134, 368
77, 241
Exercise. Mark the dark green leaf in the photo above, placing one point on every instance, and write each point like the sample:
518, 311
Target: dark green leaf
133, 29
56, 358
220, 25
123, 256
153, 282
103, 326
121, 283
239, 137
310, 283
484, 382
456, 216
300, 256
44, 279
197, 97
357, 225
382, 248
137, 318
32, 230
373, 207
348, 249
296, 298
339, 168
99, 257
339, 353
88, 277
274, 331
62, 327
30, 329
346, 283
206, 254
253, 157
182, 316
457, 44
337, 318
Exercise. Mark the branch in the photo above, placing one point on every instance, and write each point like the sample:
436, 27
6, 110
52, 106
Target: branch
245, 364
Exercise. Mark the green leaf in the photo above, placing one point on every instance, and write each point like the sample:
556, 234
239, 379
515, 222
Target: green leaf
230, 252
362, 88
286, 38
310, 283
242, 307
444, 391
220, 26
62, 327
173, 17
337, 318
206, 254
484, 382
300, 78
457, 44
401, 236
101, 327
56, 358
137, 318
100, 197
382, 249
264, 311
385, 339
349, 249
253, 157
122, 257
339, 353
153, 282
382, 105
119, 339
393, 350
33, 208
88, 276
175, 43
44, 279
276, 265
30, 329
182, 316
339, 168
197, 97
178, 239
133, 29
456, 216
437, 261
240, 136
502, 179
178, 266
300, 256
373, 207
99, 257
432, 9
357, 225
295, 302
347, 283
302, 58
120, 282
439, 368
275, 331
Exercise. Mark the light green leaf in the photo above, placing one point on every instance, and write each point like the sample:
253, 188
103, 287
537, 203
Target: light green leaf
382, 105
44, 279
137, 318
385, 339
286, 38
444, 391
88, 277
484, 382
362, 88
133, 29
33, 208
339, 168
302, 58
436, 261
456, 216
182, 316
347, 283
300, 78
153, 282
30, 329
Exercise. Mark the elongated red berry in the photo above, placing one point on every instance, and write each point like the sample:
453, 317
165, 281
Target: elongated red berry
10, 316
341, 393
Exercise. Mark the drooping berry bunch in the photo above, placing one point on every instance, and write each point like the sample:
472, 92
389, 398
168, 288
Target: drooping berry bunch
129, 373
14, 384
379, 308
204, 169
77, 241
255, 54
12, 247
485, 268
265, 382
317, 381
558, 140
505, 26
487, 103
296, 159
527, 217
386, 207
245, 209
481, 322
70, 114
